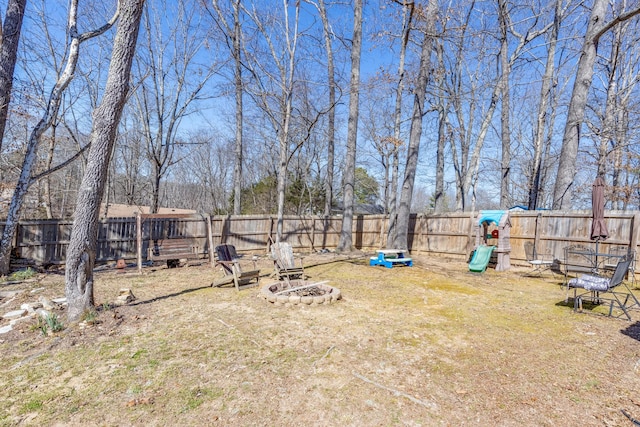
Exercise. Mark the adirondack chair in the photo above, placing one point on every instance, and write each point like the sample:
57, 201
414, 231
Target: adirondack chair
284, 262
603, 289
228, 259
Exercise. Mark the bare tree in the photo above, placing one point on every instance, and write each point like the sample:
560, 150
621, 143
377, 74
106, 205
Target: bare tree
442, 106
331, 115
396, 142
65, 138
505, 111
50, 114
401, 240
508, 29
209, 166
597, 27
608, 131
377, 126
172, 81
9, 39
466, 101
462, 90
345, 242
232, 32
129, 185
542, 122
612, 126
81, 252
274, 85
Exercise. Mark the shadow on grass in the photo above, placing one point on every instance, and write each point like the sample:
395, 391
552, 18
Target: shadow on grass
565, 303
632, 331
602, 308
172, 295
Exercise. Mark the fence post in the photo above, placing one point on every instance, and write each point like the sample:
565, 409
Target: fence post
210, 241
472, 228
536, 231
226, 224
633, 239
271, 228
420, 224
139, 241
14, 243
313, 233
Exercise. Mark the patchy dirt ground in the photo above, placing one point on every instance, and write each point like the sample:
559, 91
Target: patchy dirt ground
428, 345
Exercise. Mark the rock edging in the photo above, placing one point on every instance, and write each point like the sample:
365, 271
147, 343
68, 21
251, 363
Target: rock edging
276, 293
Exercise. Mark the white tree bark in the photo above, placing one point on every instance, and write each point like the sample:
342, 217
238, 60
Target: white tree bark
53, 106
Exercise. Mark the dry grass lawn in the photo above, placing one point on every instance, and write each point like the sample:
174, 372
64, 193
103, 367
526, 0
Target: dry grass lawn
423, 346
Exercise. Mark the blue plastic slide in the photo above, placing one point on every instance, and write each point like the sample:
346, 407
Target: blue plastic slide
480, 258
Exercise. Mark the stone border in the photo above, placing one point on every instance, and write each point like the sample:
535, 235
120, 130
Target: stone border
269, 292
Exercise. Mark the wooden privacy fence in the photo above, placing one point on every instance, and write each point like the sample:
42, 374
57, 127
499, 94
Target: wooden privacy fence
451, 234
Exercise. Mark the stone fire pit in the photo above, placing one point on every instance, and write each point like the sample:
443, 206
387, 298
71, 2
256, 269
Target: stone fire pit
300, 292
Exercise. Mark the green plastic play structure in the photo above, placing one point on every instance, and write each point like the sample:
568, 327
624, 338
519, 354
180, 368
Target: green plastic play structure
481, 258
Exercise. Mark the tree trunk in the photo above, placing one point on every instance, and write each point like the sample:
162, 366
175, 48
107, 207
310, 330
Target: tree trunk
287, 104
331, 118
8, 55
81, 252
346, 239
282, 177
404, 209
505, 127
47, 180
438, 194
155, 194
237, 170
563, 192
407, 13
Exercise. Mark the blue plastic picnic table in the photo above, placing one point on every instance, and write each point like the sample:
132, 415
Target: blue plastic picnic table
390, 257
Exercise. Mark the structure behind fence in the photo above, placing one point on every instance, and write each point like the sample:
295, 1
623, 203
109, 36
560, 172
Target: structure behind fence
452, 234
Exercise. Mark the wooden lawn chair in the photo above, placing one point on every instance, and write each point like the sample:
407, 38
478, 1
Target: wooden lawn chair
228, 259
284, 262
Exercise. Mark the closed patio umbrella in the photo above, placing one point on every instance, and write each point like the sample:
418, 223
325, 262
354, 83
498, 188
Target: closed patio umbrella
598, 226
